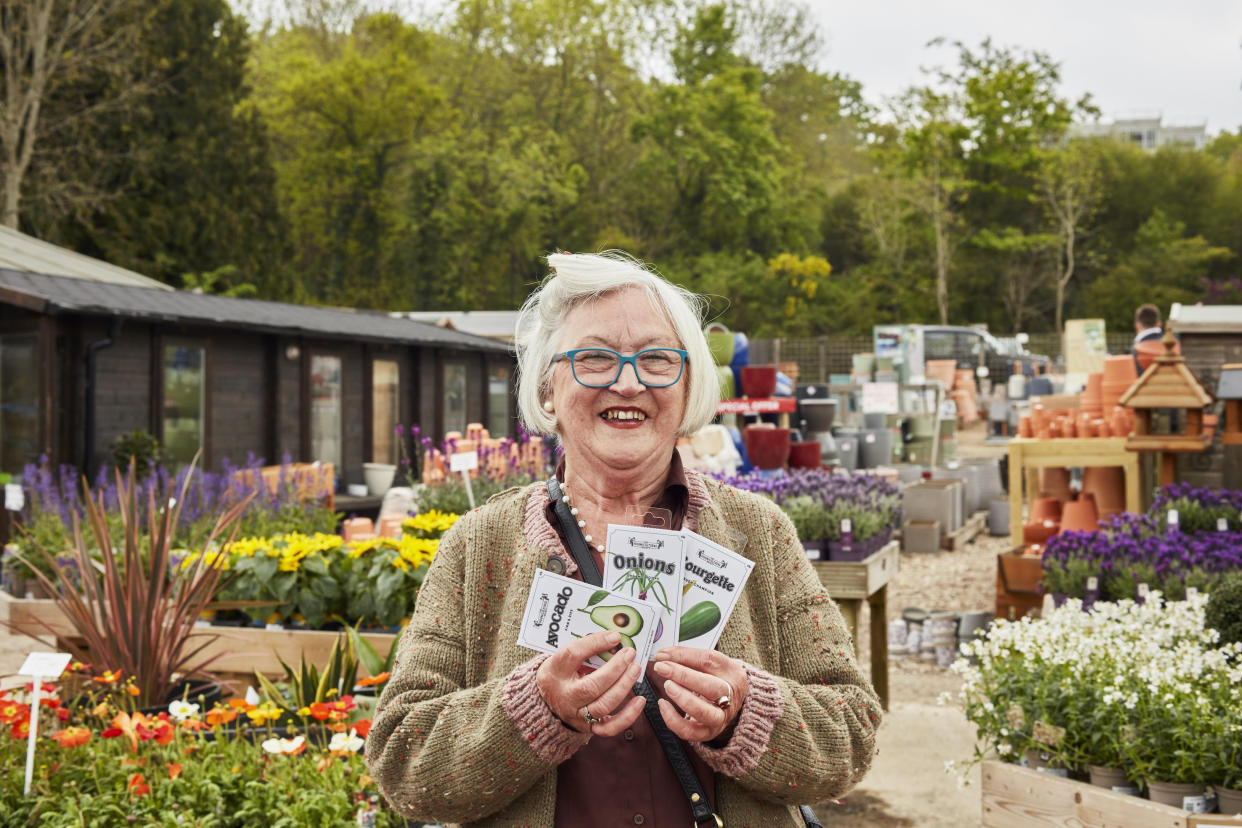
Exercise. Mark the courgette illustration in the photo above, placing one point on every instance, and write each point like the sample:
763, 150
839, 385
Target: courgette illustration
699, 619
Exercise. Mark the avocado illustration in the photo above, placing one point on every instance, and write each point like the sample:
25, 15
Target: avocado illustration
618, 618
626, 641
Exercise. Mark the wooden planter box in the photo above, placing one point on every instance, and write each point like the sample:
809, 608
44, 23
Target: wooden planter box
242, 650
1018, 579
1017, 797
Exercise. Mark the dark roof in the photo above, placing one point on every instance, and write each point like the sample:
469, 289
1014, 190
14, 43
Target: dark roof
60, 294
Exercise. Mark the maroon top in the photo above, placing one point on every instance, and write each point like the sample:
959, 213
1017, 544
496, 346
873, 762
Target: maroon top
626, 780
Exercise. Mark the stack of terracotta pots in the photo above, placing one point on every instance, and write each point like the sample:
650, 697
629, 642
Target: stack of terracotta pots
1106, 485
1051, 514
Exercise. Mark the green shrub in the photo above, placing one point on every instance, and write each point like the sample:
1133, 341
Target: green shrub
1224, 609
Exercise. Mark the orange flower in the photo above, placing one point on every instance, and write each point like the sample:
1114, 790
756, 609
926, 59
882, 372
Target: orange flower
128, 727
344, 704
321, 711
362, 727
220, 716
365, 780
192, 724
77, 667
241, 704
132, 690
174, 770
108, 677
374, 680
72, 737
323, 763
138, 786
20, 730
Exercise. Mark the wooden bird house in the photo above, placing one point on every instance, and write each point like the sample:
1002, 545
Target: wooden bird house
1168, 383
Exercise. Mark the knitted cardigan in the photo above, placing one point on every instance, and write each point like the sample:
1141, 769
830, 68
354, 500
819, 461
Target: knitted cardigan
460, 735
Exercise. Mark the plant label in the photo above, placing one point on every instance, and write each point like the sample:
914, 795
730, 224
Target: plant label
714, 577
646, 563
14, 498
561, 610
464, 461
44, 665
1173, 518
880, 398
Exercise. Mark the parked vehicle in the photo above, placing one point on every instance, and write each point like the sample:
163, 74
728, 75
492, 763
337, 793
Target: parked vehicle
911, 346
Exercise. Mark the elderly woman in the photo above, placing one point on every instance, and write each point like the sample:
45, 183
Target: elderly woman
471, 728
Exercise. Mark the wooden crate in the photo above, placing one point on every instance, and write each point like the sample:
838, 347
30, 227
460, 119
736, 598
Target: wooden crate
968, 531
26, 613
1017, 797
1018, 578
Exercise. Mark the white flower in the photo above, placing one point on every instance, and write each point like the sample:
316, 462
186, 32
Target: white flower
342, 742
182, 710
284, 745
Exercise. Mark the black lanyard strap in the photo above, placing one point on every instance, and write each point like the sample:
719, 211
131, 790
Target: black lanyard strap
674, 750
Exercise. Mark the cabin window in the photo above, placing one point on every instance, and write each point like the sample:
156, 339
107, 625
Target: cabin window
499, 415
455, 386
385, 409
325, 409
185, 400
19, 403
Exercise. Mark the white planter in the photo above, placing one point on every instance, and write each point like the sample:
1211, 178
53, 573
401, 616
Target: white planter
378, 476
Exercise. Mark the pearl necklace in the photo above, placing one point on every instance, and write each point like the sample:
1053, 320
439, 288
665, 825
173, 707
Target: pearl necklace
573, 510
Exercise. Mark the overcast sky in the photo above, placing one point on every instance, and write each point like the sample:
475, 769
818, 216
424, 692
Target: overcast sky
1178, 58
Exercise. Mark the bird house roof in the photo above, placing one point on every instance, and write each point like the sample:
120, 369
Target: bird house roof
1167, 383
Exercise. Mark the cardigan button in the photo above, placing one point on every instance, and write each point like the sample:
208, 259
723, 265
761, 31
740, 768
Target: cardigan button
629, 735
639, 819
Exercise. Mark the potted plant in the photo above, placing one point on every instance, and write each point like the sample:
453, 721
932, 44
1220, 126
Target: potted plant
133, 607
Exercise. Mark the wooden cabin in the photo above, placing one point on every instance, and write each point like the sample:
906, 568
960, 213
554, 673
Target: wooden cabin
89, 351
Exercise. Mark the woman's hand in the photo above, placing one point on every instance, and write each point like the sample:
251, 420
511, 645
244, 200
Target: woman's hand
603, 692
695, 680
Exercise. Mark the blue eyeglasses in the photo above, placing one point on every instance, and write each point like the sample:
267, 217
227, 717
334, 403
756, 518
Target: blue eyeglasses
601, 367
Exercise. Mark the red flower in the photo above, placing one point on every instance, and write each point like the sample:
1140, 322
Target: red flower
11, 712
44, 687
20, 730
110, 733
63, 714
138, 786
362, 727
174, 770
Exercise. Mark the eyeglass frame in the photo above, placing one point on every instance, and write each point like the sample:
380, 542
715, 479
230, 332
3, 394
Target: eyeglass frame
632, 359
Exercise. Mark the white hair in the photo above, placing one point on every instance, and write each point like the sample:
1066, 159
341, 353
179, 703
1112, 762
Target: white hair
582, 277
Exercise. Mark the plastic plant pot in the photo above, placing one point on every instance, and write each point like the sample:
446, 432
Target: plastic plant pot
758, 380
767, 448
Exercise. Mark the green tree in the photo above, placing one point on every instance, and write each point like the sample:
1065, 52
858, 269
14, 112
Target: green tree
1163, 266
1068, 186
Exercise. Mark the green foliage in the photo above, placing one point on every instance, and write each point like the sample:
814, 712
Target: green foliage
140, 446
308, 684
1224, 609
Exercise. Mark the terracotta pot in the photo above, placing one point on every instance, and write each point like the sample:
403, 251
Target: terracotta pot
944, 370
1108, 485
804, 455
758, 380
767, 448
1054, 482
1039, 531
1120, 369
1209, 424
1173, 793
1046, 508
1088, 497
1149, 350
1079, 516
1094, 383
1025, 429
1103, 429
1039, 417
1121, 421
1033, 550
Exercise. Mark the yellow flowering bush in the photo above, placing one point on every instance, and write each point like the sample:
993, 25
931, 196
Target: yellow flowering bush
316, 579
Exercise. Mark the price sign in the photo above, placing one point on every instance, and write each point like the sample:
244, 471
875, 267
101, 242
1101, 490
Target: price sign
880, 398
14, 498
44, 665
464, 461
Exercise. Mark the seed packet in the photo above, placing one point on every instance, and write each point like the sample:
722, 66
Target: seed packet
646, 563
714, 577
561, 610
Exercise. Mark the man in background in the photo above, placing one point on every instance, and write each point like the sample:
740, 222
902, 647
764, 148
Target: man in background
1146, 327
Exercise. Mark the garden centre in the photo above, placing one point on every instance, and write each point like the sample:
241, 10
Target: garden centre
1111, 658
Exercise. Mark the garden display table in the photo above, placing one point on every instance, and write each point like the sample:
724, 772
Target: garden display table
782, 406
1027, 457
1017, 797
849, 584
